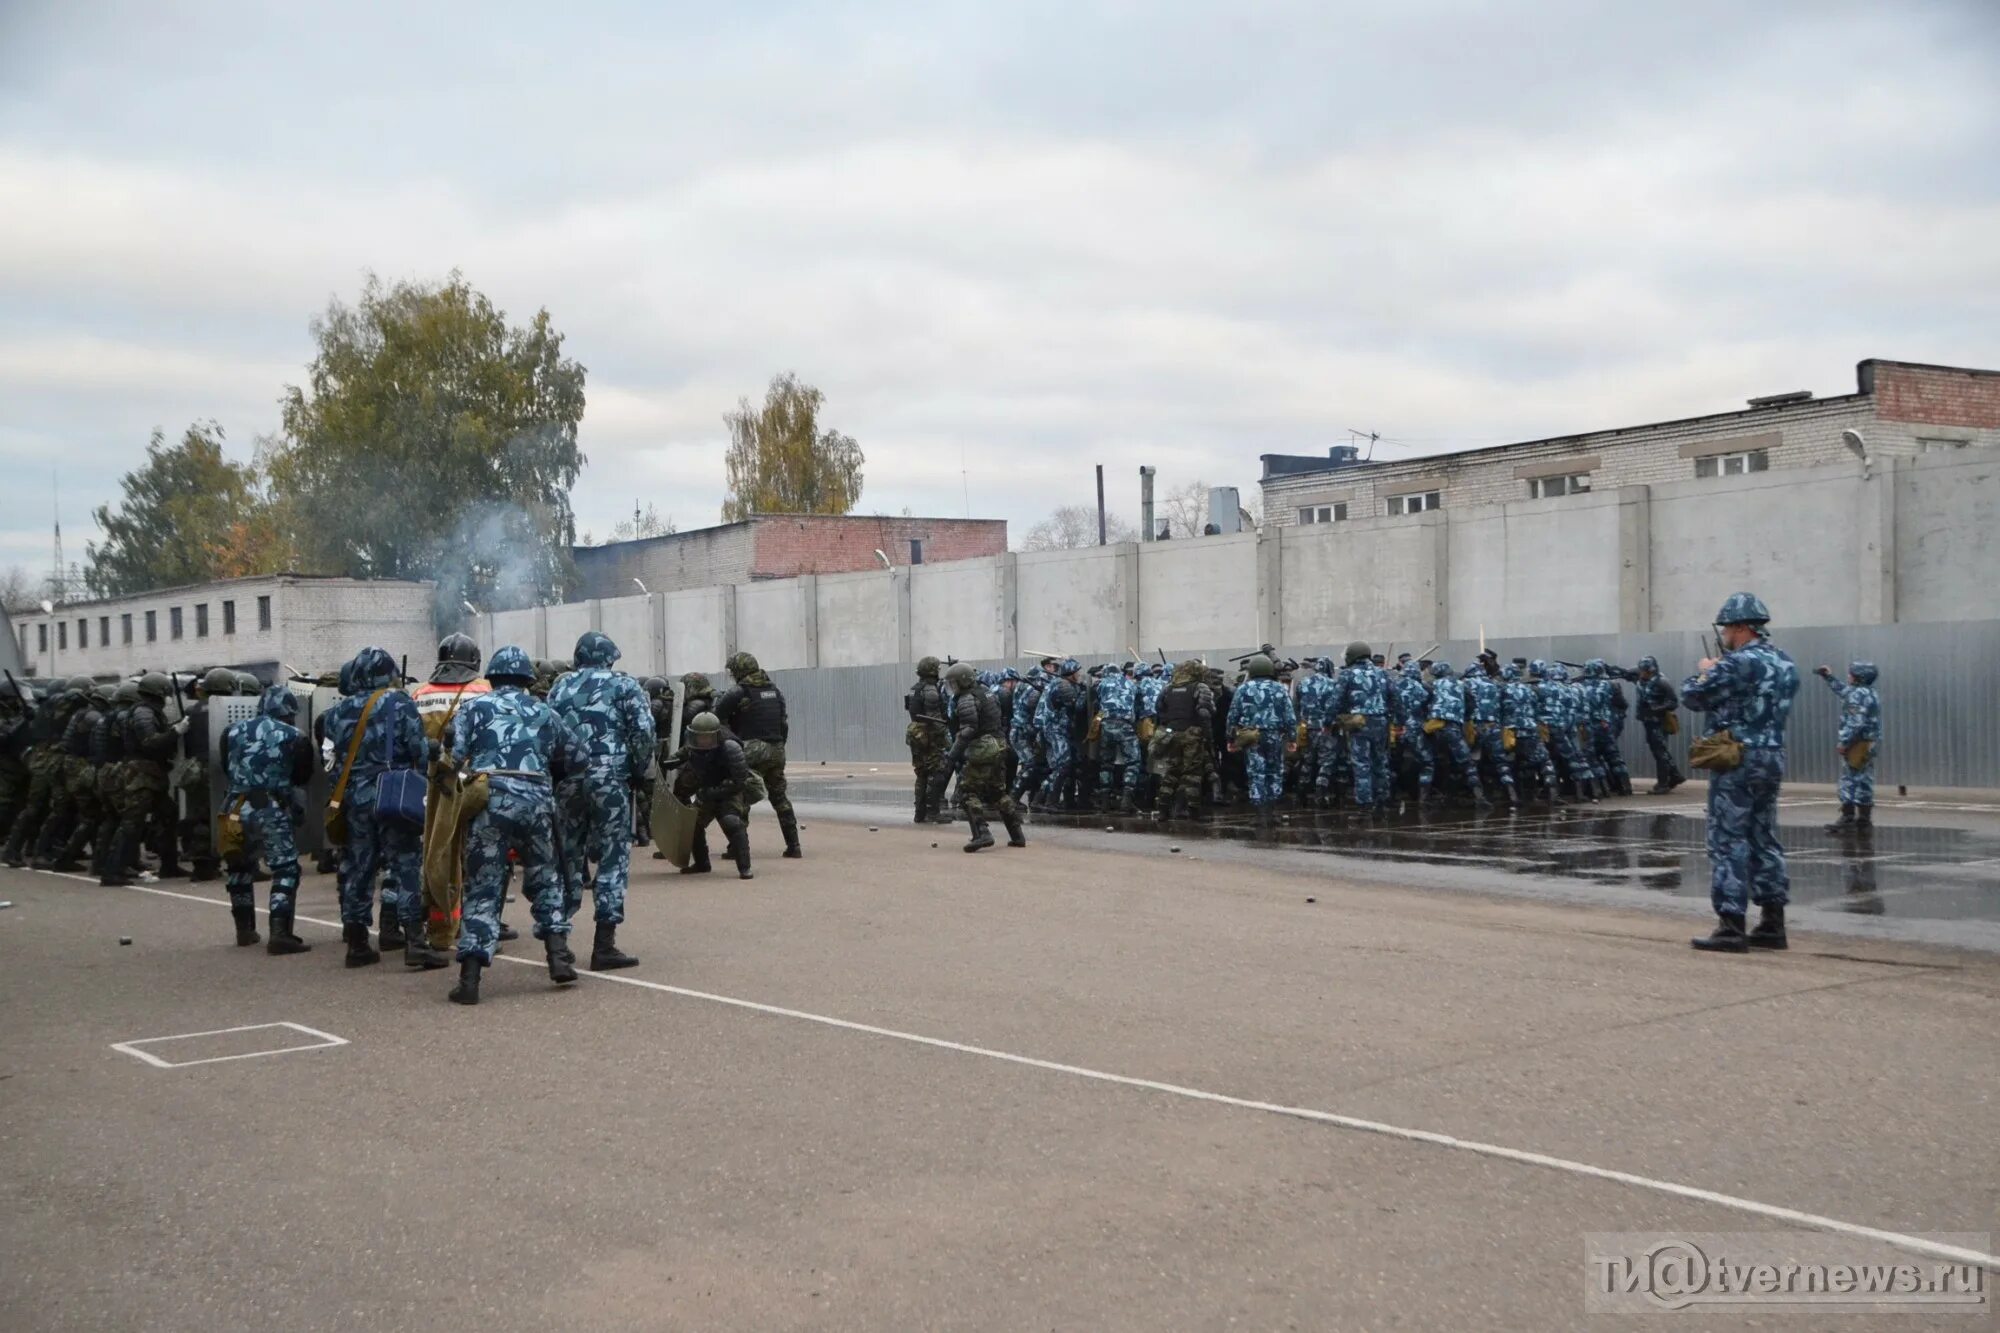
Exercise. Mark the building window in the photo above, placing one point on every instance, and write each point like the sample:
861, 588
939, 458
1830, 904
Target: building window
173, 622
229, 617
125, 628
1414, 504
1333, 513
1732, 465
1925, 446
83, 631
1547, 488
104, 631
62, 635
42, 637
263, 613
152, 626
201, 620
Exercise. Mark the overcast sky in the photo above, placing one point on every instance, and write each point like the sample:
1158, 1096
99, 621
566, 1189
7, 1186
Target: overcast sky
1008, 240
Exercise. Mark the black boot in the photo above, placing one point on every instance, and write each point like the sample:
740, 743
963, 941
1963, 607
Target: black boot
508, 933
119, 861
170, 867
283, 939
15, 855
358, 952
1846, 820
391, 938
562, 963
739, 851
788, 824
1770, 931
66, 860
1016, 835
467, 989
923, 804
246, 925
204, 871
417, 952
605, 955
1660, 788
1727, 937
1178, 809
698, 856
982, 837
1864, 819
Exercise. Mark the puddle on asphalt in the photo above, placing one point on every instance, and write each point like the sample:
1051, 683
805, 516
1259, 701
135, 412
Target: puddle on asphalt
1925, 873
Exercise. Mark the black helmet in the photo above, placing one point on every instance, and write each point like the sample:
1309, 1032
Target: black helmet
459, 650
655, 686
126, 694
1357, 652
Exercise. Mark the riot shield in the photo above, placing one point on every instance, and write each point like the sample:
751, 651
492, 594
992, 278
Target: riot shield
673, 823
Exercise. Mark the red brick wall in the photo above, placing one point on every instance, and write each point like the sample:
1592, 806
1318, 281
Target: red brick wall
1937, 397
787, 545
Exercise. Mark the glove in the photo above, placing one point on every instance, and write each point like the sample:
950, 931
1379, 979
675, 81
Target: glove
179, 728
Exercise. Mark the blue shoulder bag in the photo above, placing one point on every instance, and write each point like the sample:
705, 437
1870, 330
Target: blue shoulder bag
400, 792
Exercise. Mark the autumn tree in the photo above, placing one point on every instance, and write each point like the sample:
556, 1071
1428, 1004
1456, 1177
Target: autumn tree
433, 439
177, 518
1071, 527
781, 461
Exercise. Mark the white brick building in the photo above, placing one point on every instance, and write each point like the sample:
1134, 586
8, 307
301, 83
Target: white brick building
259, 624
1900, 409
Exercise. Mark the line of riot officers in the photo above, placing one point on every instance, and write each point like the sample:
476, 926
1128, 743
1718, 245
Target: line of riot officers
1364, 735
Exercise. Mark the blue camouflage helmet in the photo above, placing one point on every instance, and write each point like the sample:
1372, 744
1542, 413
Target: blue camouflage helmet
278, 701
1510, 672
1323, 665
1011, 673
1556, 671
1743, 608
1593, 668
510, 665
1036, 675
346, 685
1441, 670
1070, 666
594, 649
1649, 663
1863, 672
374, 669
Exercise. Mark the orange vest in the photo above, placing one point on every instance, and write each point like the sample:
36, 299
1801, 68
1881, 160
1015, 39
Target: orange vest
437, 703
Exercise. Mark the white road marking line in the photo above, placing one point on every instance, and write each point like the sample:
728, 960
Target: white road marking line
132, 1047
1902, 1241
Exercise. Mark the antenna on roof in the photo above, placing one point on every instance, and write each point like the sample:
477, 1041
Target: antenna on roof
1373, 435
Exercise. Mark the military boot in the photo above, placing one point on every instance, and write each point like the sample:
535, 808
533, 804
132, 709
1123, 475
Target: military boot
358, 952
1846, 820
698, 855
739, 851
390, 939
1178, 808
467, 989
788, 824
15, 855
170, 867
417, 952
67, 861
1660, 788
605, 955
283, 938
1016, 835
923, 802
118, 861
562, 963
982, 837
1770, 931
246, 925
1864, 819
1727, 937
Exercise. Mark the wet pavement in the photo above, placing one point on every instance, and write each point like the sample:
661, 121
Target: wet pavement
1929, 871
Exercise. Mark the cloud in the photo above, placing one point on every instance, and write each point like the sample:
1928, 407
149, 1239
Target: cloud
1008, 245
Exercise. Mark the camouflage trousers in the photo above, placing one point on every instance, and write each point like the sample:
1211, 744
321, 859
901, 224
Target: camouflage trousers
267, 832
44, 768
767, 761
1368, 762
1489, 749
1857, 785
1605, 756
1027, 746
597, 844
198, 829
1747, 862
1264, 770
1569, 756
1056, 751
72, 804
13, 793
1117, 751
395, 852
1182, 760
144, 806
1531, 756
927, 750
519, 818
1325, 766
1415, 751
982, 781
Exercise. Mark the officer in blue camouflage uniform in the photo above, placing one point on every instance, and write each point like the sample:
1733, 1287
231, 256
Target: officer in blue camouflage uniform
264, 758
607, 712
1860, 742
1360, 707
1117, 740
1023, 736
1558, 707
1657, 702
1055, 716
394, 740
1448, 708
523, 748
1263, 706
1520, 720
1152, 684
1749, 694
1604, 721
1484, 702
1413, 709
1319, 767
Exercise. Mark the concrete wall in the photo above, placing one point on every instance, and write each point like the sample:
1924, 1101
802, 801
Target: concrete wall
1947, 537
522, 629
565, 624
697, 630
955, 608
1373, 574
1071, 601
772, 621
1535, 566
1789, 537
632, 624
860, 618
1197, 591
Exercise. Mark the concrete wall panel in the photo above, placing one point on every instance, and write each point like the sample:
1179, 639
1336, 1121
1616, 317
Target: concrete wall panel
1535, 567
1947, 537
1199, 591
695, 630
1071, 601
858, 617
1370, 579
771, 622
629, 622
567, 623
1787, 536
955, 608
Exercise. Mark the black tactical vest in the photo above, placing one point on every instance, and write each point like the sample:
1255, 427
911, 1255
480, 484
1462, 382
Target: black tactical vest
1178, 707
924, 703
761, 714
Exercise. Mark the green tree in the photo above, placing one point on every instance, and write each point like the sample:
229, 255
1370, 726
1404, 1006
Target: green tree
177, 514
434, 440
781, 462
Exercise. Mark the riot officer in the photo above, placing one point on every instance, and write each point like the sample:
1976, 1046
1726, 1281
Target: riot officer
265, 757
1659, 719
754, 710
372, 732
1261, 728
978, 752
927, 735
107, 755
199, 827
151, 742
1183, 717
659, 706
15, 724
717, 773
73, 787
45, 767
453, 680
606, 711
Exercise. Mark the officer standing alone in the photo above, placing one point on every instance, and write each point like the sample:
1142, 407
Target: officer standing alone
1859, 740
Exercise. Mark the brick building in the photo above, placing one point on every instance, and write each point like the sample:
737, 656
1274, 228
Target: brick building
1899, 408
779, 546
260, 624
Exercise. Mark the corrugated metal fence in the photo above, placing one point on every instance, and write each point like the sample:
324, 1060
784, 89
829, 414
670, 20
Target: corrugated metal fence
1939, 685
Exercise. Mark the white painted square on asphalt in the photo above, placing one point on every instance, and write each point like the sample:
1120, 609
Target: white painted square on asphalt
212, 1041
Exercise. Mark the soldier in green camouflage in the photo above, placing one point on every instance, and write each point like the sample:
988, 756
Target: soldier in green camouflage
928, 736
979, 753
754, 711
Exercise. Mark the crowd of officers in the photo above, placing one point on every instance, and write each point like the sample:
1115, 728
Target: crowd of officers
1177, 739
437, 794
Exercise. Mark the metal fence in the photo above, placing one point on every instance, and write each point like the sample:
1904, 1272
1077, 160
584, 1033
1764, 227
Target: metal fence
1939, 684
